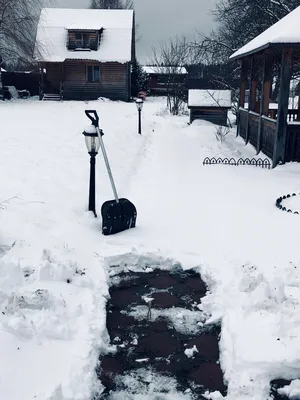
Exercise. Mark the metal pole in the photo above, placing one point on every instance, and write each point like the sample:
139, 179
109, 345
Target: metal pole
92, 191
107, 164
140, 122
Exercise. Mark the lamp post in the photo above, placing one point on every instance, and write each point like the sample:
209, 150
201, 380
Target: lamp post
139, 105
92, 144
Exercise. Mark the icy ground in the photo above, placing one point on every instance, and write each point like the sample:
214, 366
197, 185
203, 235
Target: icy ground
54, 267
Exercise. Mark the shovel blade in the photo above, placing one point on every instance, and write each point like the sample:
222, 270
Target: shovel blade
117, 217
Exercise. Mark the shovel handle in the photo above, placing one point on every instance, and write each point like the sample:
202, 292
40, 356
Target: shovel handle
93, 116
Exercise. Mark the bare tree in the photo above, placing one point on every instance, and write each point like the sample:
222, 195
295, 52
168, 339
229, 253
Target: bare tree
221, 131
112, 4
18, 24
170, 60
239, 21
115, 5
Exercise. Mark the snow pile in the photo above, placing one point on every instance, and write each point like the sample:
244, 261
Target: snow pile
144, 384
292, 391
209, 98
191, 352
183, 320
51, 331
213, 396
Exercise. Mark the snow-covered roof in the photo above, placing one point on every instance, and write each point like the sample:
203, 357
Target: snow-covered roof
287, 30
209, 98
163, 70
116, 39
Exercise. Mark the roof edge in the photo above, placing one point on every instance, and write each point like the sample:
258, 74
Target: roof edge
80, 9
278, 45
250, 52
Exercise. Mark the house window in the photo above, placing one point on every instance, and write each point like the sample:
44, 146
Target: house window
93, 73
82, 40
79, 40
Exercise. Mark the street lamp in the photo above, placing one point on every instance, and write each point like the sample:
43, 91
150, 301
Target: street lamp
139, 105
92, 144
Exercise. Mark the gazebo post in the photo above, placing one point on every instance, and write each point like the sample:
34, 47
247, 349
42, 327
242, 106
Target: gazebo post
252, 94
265, 97
298, 108
283, 105
243, 86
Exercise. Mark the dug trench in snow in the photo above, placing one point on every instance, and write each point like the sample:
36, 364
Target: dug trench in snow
276, 385
170, 354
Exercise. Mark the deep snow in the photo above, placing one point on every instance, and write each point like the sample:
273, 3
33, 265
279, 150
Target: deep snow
55, 263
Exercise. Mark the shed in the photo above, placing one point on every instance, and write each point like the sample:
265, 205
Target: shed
210, 105
85, 53
163, 79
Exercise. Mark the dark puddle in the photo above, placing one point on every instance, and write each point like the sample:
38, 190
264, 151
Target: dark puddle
156, 346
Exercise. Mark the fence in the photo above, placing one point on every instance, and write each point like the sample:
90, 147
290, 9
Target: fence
22, 80
256, 162
253, 126
249, 125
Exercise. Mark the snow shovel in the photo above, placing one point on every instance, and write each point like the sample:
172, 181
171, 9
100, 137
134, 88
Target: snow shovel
119, 214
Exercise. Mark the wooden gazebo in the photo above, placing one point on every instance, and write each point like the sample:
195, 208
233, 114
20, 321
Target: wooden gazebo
271, 59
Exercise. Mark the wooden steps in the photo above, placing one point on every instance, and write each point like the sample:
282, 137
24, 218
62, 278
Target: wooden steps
51, 97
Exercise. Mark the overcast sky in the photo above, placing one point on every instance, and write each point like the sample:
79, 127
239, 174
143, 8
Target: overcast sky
160, 19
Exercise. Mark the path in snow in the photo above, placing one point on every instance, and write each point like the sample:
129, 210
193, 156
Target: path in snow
163, 351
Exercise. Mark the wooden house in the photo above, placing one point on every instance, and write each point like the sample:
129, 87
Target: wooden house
85, 54
210, 105
162, 80
273, 130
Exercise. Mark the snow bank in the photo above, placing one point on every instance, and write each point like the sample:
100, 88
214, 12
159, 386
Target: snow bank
51, 330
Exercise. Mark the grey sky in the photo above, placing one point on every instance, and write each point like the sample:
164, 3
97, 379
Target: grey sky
160, 19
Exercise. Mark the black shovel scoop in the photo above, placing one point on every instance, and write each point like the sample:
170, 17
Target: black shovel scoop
119, 214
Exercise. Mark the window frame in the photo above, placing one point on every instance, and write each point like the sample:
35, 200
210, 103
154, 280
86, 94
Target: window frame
93, 66
85, 40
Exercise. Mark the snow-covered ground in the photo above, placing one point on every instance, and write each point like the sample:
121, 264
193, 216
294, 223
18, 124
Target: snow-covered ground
54, 267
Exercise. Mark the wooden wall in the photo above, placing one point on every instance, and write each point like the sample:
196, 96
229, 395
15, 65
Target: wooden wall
216, 115
156, 88
53, 77
114, 81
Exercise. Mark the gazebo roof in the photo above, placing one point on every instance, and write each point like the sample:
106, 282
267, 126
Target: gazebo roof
286, 31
